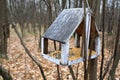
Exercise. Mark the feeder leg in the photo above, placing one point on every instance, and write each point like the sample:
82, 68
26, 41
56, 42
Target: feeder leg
77, 40
45, 45
65, 53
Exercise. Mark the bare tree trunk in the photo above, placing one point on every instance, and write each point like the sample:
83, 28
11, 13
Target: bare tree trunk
80, 3
63, 3
92, 63
114, 66
76, 3
69, 3
4, 29
85, 45
5, 74
97, 19
93, 69
116, 54
111, 20
50, 11
103, 24
22, 28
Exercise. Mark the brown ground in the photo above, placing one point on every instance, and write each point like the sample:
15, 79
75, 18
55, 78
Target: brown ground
22, 67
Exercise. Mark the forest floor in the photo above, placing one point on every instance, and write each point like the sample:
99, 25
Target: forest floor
22, 67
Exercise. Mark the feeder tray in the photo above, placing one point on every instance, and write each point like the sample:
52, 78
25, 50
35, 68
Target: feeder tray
74, 53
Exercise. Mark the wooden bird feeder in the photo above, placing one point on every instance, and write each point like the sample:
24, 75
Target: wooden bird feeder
68, 23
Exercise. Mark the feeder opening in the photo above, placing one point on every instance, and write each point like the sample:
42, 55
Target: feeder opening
54, 49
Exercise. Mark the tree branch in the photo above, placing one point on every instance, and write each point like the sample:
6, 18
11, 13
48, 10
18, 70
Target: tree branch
107, 68
46, 3
37, 62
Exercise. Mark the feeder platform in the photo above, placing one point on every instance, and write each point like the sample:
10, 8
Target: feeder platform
74, 53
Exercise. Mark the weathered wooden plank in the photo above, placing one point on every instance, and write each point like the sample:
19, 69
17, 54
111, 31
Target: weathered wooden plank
65, 53
57, 61
42, 45
65, 25
88, 26
77, 40
75, 61
97, 45
45, 45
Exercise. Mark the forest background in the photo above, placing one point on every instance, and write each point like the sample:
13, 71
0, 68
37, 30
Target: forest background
31, 18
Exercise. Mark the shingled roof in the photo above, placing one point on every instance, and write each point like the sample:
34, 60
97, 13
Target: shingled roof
65, 25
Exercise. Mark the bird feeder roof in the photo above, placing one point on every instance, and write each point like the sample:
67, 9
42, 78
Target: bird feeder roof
65, 25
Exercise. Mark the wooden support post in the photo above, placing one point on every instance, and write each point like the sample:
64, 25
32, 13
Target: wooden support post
59, 46
88, 26
45, 45
77, 40
65, 52
97, 45
42, 45
55, 45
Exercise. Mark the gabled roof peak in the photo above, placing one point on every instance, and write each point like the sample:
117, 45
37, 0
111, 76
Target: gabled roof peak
65, 24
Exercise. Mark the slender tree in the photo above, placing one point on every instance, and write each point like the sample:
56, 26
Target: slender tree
116, 54
4, 34
103, 25
4, 29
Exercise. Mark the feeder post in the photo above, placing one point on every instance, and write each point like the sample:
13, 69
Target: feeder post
88, 26
97, 45
44, 45
65, 52
77, 40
